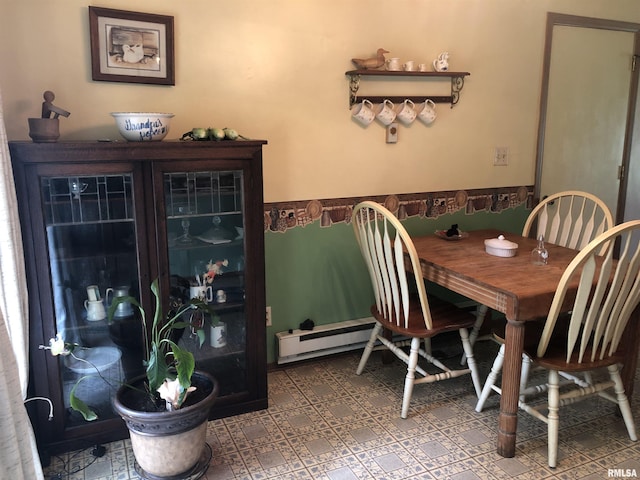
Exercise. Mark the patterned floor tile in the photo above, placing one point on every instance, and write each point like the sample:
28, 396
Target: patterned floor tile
326, 423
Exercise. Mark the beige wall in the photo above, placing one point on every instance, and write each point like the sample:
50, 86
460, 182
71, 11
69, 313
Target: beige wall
274, 69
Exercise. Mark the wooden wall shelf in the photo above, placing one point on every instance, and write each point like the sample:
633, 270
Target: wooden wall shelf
457, 83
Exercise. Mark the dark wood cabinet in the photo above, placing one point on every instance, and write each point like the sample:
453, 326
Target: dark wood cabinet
101, 219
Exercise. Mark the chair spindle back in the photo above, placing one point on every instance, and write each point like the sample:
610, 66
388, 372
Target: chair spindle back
602, 309
570, 219
384, 242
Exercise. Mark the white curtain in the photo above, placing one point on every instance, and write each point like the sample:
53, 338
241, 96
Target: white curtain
18, 453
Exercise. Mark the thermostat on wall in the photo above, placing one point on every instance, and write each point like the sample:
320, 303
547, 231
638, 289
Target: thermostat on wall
392, 133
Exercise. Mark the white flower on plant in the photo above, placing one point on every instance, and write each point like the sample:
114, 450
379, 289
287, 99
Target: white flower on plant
58, 346
170, 392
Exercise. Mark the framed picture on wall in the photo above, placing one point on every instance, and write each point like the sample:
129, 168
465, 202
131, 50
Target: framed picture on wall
131, 47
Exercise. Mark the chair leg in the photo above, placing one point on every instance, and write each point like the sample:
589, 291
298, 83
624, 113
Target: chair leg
553, 418
369, 347
496, 368
411, 376
491, 379
623, 401
471, 361
481, 313
427, 345
524, 375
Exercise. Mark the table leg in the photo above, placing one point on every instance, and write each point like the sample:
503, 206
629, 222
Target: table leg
508, 420
631, 344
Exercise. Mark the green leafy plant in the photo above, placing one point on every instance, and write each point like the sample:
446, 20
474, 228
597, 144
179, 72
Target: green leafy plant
168, 366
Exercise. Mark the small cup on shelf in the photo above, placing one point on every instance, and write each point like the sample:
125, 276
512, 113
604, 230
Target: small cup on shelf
409, 66
393, 64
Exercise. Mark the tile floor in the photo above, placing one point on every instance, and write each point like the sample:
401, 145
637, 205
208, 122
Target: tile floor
324, 422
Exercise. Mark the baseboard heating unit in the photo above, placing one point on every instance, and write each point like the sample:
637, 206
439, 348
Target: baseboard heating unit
323, 340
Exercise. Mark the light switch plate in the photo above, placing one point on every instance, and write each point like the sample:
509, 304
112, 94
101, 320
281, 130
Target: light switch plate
501, 157
392, 133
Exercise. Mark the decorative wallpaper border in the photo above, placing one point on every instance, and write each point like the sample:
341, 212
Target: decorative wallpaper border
281, 216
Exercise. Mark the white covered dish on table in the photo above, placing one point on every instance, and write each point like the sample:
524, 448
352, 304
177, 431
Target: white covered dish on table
500, 247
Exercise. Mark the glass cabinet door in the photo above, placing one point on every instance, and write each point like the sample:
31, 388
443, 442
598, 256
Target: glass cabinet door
91, 238
205, 238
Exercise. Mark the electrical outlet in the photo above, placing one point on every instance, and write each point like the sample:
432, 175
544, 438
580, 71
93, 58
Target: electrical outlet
269, 317
392, 133
501, 157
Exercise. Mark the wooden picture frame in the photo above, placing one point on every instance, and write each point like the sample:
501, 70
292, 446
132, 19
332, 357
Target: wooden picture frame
131, 47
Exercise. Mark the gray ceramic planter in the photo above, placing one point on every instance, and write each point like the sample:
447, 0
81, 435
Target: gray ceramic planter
169, 445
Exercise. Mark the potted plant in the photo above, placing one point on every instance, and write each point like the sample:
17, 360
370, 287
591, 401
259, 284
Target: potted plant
167, 406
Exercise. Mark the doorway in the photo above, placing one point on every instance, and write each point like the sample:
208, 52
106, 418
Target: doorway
588, 105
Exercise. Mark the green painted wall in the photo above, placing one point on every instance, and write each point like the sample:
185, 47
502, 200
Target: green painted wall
318, 273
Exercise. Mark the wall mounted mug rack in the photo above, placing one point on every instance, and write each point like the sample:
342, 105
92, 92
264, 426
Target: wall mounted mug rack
457, 83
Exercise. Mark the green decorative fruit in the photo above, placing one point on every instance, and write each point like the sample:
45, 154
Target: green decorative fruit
230, 133
199, 133
216, 134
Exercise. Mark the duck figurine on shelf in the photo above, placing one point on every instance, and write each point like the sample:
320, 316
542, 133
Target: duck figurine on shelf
371, 63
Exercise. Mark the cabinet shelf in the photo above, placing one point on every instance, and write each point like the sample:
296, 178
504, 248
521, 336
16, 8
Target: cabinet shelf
457, 83
199, 244
202, 215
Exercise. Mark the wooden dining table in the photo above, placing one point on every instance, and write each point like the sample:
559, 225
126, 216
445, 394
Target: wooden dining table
516, 287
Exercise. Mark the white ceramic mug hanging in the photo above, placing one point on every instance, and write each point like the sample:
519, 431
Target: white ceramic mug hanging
385, 112
427, 112
363, 112
407, 112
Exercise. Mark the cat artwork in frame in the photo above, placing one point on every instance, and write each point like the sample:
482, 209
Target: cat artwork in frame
131, 47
